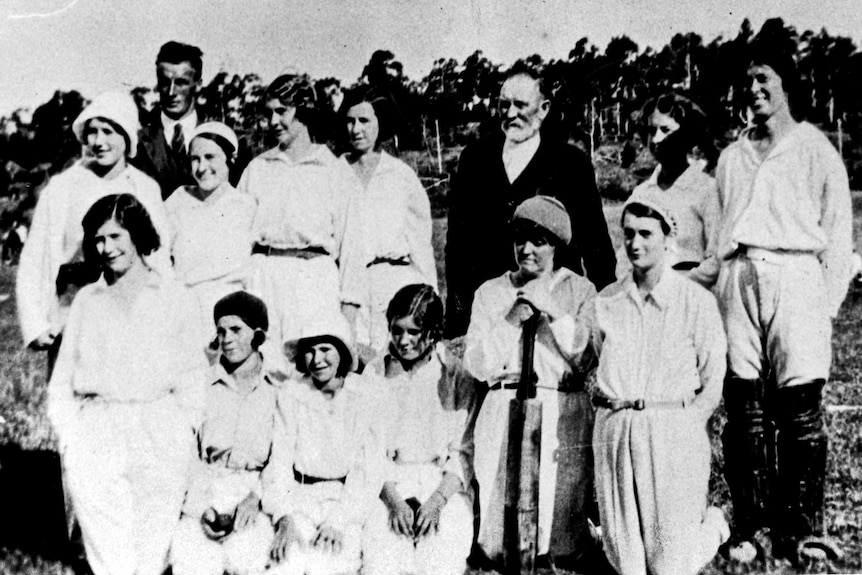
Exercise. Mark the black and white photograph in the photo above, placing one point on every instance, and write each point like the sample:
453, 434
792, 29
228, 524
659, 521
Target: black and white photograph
480, 287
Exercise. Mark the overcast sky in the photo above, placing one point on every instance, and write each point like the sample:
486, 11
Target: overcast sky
94, 45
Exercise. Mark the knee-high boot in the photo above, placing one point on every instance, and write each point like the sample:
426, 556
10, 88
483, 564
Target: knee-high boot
749, 455
802, 450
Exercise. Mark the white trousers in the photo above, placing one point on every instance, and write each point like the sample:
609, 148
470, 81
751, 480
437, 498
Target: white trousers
126, 472
444, 553
240, 553
316, 502
775, 314
652, 477
295, 291
565, 470
384, 281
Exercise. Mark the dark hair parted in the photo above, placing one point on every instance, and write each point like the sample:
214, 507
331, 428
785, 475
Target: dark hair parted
305, 345
226, 147
693, 124
763, 52
382, 103
422, 303
176, 53
130, 214
642, 211
296, 91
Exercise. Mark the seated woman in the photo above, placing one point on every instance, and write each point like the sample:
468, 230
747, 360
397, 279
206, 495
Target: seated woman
222, 528
211, 220
676, 127
563, 358
324, 471
121, 399
423, 521
393, 209
52, 266
659, 380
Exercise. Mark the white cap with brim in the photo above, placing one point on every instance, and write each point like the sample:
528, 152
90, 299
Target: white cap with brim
332, 325
117, 107
217, 129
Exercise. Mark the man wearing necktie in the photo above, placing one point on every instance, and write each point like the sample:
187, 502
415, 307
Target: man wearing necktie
163, 147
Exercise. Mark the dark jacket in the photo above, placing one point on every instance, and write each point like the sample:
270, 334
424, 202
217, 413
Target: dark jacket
479, 242
156, 159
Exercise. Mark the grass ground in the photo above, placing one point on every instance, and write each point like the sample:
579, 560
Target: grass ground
23, 426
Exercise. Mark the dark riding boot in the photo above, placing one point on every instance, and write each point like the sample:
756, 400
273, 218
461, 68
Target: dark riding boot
749, 455
802, 451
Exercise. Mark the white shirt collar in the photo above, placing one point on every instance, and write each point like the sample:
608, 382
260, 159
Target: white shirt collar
188, 123
517, 156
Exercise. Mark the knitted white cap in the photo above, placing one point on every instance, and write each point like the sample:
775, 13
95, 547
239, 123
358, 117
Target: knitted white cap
119, 108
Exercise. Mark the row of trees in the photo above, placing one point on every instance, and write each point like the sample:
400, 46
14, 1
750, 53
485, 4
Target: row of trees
597, 94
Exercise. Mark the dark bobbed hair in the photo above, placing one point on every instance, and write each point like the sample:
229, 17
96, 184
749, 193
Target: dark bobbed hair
130, 214
693, 123
763, 52
384, 109
176, 53
422, 303
296, 91
642, 211
519, 225
306, 344
117, 128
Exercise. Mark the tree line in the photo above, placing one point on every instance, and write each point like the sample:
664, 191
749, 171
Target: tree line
597, 93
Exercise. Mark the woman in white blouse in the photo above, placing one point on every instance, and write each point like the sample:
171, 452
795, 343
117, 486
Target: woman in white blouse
676, 127
211, 220
393, 209
52, 266
122, 399
307, 253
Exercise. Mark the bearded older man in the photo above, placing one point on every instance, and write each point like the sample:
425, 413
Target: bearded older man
499, 172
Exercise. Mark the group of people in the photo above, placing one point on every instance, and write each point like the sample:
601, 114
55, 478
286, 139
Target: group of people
251, 379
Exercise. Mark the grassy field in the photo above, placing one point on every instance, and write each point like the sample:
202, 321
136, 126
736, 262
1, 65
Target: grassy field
23, 427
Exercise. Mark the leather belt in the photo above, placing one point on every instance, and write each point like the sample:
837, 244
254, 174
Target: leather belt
301, 253
402, 261
685, 266
303, 479
639, 404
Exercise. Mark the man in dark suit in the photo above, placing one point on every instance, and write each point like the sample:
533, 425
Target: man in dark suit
499, 172
164, 137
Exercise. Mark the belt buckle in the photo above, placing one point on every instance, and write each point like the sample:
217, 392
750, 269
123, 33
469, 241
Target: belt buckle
639, 405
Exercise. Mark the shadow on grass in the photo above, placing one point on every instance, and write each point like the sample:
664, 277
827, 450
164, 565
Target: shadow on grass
32, 498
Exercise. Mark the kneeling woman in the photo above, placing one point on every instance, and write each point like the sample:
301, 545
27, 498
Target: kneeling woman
563, 358
659, 380
222, 528
423, 522
324, 471
120, 398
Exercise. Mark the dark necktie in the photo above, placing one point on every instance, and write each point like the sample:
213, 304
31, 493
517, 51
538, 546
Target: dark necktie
178, 142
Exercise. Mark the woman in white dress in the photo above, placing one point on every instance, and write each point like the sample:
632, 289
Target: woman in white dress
676, 127
121, 399
423, 521
563, 358
211, 221
393, 208
52, 266
307, 255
